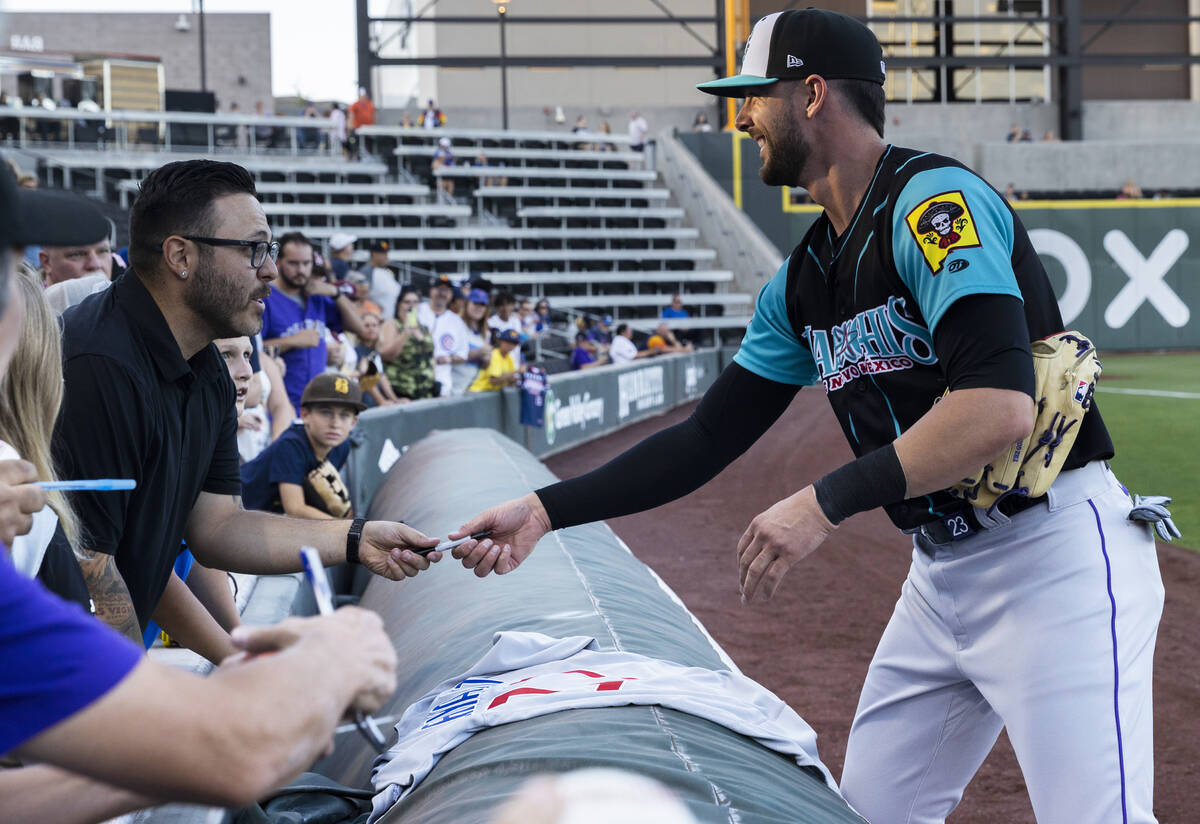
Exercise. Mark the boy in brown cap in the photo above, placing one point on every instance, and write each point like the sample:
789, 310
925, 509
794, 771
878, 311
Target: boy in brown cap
298, 474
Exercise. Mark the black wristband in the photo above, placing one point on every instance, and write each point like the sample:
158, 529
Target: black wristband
875, 479
352, 539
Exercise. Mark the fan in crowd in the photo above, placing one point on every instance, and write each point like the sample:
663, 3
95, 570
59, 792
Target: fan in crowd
299, 473
407, 350
502, 369
101, 758
448, 331
299, 309
476, 313
377, 389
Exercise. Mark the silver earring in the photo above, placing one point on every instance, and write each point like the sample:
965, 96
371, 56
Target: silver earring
183, 274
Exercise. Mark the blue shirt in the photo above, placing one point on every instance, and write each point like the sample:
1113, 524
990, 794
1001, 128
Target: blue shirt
670, 312
54, 658
581, 356
288, 460
282, 317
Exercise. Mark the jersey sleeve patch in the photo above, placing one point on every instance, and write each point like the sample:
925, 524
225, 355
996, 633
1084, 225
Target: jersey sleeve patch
952, 236
770, 348
941, 224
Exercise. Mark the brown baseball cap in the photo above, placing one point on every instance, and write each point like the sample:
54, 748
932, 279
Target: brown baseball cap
333, 387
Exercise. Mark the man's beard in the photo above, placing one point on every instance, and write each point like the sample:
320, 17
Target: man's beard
221, 304
787, 152
292, 282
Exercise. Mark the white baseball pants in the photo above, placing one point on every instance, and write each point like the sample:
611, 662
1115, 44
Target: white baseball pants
1044, 624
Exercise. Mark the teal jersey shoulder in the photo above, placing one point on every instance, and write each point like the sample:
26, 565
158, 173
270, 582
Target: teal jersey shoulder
952, 236
770, 348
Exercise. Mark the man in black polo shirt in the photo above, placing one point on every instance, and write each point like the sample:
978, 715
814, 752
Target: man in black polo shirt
148, 398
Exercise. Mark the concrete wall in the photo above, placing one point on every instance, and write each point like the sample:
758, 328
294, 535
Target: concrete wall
1093, 165
964, 123
471, 97
238, 47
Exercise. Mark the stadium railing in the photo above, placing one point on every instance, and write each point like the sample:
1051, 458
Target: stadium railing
167, 131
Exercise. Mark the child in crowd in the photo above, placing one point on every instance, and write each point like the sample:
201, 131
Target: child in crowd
377, 390
502, 368
298, 474
235, 354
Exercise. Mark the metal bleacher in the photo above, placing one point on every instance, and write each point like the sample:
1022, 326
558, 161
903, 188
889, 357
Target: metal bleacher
577, 218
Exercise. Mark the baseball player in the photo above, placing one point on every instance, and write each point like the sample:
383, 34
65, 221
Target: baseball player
913, 300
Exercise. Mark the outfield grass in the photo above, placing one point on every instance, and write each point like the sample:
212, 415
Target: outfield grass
1157, 439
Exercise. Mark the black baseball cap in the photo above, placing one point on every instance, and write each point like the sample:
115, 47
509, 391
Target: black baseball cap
48, 218
332, 387
793, 44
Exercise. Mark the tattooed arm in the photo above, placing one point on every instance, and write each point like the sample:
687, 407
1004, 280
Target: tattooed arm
109, 594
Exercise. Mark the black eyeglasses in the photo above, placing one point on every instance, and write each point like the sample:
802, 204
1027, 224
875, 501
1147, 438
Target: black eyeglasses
261, 248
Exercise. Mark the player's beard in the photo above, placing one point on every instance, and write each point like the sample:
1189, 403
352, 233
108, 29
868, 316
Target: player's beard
222, 303
787, 152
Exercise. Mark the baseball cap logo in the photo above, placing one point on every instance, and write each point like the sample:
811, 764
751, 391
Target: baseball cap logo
341, 386
794, 62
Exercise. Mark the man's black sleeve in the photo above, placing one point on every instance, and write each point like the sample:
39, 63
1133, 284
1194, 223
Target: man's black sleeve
736, 410
999, 359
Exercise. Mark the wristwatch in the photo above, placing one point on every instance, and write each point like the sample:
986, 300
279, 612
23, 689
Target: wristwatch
352, 539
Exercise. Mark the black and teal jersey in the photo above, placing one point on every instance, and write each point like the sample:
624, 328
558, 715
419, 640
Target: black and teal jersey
857, 313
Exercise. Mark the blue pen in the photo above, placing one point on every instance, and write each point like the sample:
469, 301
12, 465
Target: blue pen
314, 571
95, 485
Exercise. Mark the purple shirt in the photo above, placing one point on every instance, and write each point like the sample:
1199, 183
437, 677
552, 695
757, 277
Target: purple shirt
581, 356
282, 317
54, 658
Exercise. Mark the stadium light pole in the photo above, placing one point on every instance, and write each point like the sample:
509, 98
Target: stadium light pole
203, 64
502, 12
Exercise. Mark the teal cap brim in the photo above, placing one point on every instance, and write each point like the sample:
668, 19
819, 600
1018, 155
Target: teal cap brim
735, 86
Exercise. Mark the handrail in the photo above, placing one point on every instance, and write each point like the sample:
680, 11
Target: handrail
144, 116
223, 131
493, 134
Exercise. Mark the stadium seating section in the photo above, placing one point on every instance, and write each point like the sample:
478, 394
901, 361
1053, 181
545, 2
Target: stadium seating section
577, 219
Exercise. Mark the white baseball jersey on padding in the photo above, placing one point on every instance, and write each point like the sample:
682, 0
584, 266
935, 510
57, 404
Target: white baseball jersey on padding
527, 674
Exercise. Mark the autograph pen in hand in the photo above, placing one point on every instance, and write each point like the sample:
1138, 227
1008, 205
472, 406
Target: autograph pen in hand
314, 570
93, 485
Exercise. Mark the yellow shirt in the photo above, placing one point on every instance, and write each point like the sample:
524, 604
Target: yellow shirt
500, 364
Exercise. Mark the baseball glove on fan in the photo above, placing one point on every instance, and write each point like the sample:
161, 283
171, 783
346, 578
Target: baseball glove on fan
323, 489
1065, 373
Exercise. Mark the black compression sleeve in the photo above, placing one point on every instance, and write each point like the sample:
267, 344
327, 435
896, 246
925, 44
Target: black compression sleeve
736, 410
875, 479
1000, 359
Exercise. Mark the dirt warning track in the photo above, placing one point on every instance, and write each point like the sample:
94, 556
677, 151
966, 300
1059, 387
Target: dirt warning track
811, 644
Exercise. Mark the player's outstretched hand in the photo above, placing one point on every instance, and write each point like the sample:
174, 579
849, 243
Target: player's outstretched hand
387, 549
778, 538
516, 528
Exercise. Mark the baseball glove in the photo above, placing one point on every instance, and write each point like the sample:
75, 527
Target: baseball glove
323, 489
1065, 373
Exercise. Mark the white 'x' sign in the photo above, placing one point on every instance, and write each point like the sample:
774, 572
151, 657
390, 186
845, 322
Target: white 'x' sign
1146, 278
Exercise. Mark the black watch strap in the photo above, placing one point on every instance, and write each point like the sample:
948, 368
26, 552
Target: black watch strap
352, 539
